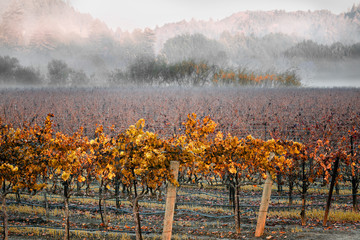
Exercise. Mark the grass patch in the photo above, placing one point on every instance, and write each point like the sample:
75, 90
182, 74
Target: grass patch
296, 230
208, 197
59, 233
34, 210
204, 209
40, 211
317, 214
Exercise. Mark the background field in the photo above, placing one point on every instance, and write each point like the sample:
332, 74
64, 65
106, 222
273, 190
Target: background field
261, 112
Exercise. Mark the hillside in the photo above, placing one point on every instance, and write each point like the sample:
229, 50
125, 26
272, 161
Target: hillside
38, 31
45, 23
320, 26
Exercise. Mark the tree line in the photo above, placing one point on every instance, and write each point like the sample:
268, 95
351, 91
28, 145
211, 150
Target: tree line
151, 71
312, 50
134, 60
144, 71
12, 73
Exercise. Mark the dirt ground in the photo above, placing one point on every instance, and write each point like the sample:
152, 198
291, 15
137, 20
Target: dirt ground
346, 231
198, 217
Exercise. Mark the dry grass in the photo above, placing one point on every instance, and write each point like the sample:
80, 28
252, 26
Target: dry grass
338, 215
59, 233
33, 210
296, 230
204, 209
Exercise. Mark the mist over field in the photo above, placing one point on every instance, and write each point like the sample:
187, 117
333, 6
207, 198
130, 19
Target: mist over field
108, 131
50, 43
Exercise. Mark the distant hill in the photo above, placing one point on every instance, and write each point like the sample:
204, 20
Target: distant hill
37, 31
46, 24
322, 26
354, 14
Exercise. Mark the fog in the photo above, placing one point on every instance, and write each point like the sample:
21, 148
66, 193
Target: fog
335, 74
120, 13
49, 43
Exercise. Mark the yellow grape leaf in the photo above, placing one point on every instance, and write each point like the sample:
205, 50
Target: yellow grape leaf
148, 155
111, 175
39, 186
108, 186
220, 135
6, 166
81, 179
138, 139
296, 151
138, 171
140, 124
110, 167
232, 170
65, 176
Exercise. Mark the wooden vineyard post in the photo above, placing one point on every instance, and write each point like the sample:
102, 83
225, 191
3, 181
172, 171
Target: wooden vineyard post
170, 202
265, 199
332, 184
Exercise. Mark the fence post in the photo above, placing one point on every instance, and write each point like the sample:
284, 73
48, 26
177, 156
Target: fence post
332, 184
265, 199
170, 202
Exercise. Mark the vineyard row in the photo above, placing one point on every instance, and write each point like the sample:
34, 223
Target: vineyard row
34, 156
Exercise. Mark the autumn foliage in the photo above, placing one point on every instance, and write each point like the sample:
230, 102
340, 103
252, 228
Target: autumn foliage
33, 156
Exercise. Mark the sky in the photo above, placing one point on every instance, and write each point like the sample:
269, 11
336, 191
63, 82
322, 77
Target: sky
131, 14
